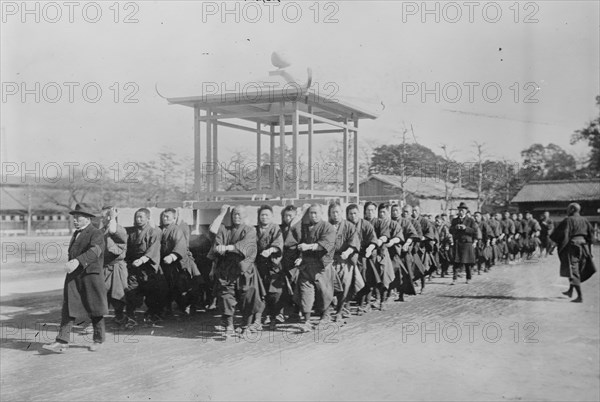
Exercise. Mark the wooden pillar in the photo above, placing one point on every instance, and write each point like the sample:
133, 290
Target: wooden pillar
273, 178
282, 148
311, 173
209, 166
215, 157
296, 165
258, 159
345, 156
197, 155
356, 167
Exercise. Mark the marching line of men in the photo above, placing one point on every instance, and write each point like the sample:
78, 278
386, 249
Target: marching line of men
303, 266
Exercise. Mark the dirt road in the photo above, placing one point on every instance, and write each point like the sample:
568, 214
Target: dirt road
509, 335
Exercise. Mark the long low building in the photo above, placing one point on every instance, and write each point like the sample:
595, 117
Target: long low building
427, 192
554, 196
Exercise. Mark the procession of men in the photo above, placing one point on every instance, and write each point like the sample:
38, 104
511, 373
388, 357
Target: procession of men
326, 263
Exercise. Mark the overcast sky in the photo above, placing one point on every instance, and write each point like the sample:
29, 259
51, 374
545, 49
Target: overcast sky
378, 52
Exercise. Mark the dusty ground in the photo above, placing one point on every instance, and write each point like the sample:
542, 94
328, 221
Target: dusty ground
509, 335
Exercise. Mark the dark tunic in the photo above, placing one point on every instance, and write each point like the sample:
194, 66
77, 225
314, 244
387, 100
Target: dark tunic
463, 240
144, 241
316, 277
115, 268
147, 280
84, 292
484, 250
520, 230
547, 227
180, 273
366, 236
174, 241
346, 238
428, 247
236, 275
574, 238
531, 228
269, 268
291, 238
382, 272
445, 250
509, 230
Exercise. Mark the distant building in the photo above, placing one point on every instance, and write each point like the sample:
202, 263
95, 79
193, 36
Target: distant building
554, 196
427, 192
18, 199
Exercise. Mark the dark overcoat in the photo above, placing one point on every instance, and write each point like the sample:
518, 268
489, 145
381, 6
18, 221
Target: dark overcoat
84, 293
464, 253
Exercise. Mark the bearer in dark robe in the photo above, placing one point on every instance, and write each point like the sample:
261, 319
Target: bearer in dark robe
427, 245
483, 251
496, 226
464, 232
236, 278
445, 254
291, 232
509, 231
268, 263
115, 268
367, 256
419, 269
146, 282
401, 235
379, 276
316, 277
519, 235
573, 237
345, 255
178, 265
547, 227
531, 232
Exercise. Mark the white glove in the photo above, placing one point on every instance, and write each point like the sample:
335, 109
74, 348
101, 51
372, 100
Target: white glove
169, 259
71, 266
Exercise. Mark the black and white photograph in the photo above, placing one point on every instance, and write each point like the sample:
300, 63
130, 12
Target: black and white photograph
300, 200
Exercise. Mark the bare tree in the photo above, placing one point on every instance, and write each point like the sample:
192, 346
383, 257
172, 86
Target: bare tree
447, 189
479, 152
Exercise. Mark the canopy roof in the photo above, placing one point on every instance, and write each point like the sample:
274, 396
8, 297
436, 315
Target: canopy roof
268, 100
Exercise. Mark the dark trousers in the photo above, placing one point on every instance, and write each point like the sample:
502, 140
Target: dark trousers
118, 305
146, 285
467, 270
66, 324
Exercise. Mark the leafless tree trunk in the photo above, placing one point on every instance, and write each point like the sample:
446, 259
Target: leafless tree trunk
479, 152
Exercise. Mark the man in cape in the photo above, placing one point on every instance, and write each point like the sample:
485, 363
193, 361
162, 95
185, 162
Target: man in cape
573, 237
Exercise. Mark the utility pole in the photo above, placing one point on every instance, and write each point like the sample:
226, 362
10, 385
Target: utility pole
403, 167
29, 210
